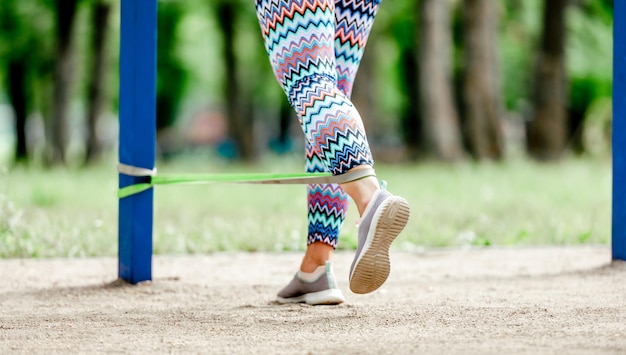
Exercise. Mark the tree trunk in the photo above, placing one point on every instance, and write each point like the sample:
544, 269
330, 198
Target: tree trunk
282, 143
364, 95
97, 92
17, 93
63, 77
241, 127
481, 97
411, 122
171, 76
547, 130
442, 136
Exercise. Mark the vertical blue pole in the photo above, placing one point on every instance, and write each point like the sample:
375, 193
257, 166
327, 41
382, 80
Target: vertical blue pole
619, 131
137, 143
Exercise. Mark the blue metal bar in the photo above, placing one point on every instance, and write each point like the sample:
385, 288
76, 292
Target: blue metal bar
619, 131
137, 143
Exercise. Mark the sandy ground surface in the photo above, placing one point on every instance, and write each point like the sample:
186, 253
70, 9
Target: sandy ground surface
531, 300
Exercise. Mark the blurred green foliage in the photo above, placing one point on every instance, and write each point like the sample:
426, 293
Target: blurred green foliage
191, 71
74, 212
26, 36
517, 203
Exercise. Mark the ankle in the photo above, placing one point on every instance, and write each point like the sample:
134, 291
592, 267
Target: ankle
310, 264
362, 191
316, 255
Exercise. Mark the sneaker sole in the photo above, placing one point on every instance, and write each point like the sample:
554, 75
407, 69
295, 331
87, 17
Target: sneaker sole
326, 297
372, 268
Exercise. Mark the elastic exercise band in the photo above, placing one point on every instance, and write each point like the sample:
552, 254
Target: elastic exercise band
308, 178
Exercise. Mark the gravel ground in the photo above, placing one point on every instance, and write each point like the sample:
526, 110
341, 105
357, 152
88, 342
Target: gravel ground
520, 300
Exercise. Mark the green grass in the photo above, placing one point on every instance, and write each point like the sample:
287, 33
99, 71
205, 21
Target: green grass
67, 213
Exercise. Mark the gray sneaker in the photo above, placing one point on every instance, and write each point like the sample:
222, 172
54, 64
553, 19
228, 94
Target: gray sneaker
382, 221
321, 290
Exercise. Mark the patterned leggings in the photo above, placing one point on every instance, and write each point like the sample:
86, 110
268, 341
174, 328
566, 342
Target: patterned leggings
315, 47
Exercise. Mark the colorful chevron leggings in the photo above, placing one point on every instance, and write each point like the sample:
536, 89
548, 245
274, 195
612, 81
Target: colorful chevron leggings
315, 47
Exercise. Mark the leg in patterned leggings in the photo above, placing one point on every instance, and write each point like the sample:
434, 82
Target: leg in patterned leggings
328, 203
300, 37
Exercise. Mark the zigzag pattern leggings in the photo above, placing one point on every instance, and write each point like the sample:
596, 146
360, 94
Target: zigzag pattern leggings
315, 47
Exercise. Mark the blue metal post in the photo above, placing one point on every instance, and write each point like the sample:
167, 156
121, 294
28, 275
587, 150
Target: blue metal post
137, 143
619, 131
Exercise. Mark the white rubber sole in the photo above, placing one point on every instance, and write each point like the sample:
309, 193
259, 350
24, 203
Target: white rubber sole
372, 267
330, 296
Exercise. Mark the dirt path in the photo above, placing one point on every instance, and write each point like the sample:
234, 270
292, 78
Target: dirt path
535, 300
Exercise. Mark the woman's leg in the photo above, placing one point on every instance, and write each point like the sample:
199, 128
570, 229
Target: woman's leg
353, 23
328, 203
327, 207
299, 38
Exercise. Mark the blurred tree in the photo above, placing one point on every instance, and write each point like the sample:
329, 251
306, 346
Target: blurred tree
16, 62
440, 130
519, 28
283, 143
96, 96
18, 94
582, 94
238, 101
171, 73
63, 77
415, 86
25, 58
589, 73
547, 130
410, 116
480, 92
399, 24
363, 94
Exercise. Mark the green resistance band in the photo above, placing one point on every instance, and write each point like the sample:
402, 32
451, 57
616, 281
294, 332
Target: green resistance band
239, 178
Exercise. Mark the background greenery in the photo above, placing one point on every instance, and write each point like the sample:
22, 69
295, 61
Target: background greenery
192, 69
49, 210
74, 212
